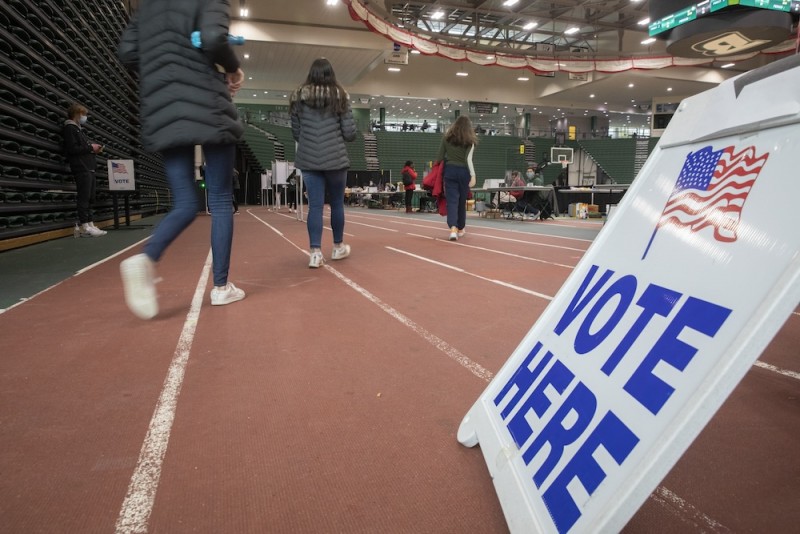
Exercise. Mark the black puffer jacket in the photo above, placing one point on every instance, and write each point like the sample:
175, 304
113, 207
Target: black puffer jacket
320, 135
184, 99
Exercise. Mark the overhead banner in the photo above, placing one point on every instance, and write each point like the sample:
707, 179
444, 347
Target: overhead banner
121, 176
659, 321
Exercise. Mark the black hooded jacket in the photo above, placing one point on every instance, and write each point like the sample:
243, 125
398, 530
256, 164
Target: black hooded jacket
77, 148
184, 98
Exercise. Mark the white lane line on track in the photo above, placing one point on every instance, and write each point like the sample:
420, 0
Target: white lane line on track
438, 227
460, 270
138, 503
493, 251
450, 351
784, 372
562, 247
77, 273
686, 512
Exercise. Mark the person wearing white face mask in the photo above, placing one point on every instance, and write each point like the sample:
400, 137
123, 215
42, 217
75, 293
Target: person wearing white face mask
532, 177
81, 157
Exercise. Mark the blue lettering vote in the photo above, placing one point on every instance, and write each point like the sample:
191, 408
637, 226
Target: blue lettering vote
614, 437
647, 388
655, 300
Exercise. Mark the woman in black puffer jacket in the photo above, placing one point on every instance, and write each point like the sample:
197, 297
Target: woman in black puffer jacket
185, 100
322, 122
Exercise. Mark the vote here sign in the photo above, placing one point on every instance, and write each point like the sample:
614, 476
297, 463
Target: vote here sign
661, 318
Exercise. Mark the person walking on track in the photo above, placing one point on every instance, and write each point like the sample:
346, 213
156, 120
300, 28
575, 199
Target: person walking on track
185, 101
322, 122
456, 149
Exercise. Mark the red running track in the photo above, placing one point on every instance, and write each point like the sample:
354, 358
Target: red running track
328, 400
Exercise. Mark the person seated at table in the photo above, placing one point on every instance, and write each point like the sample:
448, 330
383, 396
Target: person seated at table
516, 181
525, 200
533, 177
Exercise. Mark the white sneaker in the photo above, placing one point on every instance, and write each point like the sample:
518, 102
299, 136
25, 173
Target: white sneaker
139, 283
102, 232
340, 251
91, 231
317, 259
225, 295
453, 233
461, 233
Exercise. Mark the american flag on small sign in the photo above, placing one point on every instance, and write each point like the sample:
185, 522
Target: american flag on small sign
711, 190
118, 168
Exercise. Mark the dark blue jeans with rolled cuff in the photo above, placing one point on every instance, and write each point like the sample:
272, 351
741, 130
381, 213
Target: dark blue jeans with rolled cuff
456, 189
179, 167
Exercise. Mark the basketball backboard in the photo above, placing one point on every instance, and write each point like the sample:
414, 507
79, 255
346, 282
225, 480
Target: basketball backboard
561, 154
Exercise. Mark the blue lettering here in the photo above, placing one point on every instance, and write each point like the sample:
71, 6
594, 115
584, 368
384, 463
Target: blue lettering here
558, 377
523, 379
647, 388
579, 408
614, 437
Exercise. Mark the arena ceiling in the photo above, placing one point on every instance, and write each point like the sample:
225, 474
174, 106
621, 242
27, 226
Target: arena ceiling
285, 36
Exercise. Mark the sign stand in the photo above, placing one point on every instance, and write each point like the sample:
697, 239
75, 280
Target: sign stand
122, 181
660, 319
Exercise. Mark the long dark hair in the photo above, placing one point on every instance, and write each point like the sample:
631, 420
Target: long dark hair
461, 133
321, 90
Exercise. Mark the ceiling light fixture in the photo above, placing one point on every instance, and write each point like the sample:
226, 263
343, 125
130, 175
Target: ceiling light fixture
648, 41
462, 74
393, 69
728, 65
529, 26
570, 31
243, 11
437, 15
644, 21
523, 79
331, 2
509, 3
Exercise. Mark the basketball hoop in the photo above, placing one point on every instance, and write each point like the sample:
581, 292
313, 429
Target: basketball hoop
564, 164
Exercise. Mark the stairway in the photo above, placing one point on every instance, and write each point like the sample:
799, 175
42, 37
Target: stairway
530, 153
640, 156
371, 152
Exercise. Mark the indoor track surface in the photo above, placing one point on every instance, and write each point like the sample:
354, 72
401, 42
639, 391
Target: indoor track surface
328, 400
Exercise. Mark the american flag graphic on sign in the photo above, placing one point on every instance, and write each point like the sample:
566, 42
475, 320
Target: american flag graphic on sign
711, 190
118, 168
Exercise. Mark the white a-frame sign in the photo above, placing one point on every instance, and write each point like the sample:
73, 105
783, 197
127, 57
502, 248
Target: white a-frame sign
662, 317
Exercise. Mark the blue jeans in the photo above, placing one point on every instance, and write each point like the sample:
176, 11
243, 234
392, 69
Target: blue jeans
319, 185
179, 166
456, 189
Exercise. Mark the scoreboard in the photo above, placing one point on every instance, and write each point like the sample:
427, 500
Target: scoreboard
707, 7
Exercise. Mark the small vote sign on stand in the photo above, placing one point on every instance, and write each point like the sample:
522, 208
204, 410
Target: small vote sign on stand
675, 300
121, 176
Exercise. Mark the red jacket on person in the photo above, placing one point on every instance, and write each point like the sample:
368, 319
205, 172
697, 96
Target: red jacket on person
413, 174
